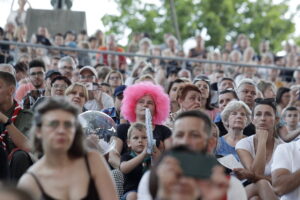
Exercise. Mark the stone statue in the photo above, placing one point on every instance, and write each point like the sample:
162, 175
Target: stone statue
62, 4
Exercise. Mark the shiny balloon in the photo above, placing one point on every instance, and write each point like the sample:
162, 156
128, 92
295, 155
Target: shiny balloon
102, 125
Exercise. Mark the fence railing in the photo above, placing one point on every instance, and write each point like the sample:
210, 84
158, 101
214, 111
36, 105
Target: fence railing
20, 44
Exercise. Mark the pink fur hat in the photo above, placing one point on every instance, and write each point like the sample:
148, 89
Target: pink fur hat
133, 93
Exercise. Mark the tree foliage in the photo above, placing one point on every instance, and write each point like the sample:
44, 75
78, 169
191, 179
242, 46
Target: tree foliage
223, 19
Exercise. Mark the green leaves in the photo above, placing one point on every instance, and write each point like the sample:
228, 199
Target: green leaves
259, 19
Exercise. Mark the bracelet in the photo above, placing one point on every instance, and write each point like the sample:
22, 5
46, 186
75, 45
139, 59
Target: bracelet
9, 121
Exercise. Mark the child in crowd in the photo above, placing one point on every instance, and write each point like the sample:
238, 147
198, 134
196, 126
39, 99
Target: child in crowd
292, 117
136, 161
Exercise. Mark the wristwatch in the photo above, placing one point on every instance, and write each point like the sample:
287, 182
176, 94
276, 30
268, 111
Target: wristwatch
9, 121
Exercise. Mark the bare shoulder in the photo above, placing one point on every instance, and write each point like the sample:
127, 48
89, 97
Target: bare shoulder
96, 158
28, 183
99, 164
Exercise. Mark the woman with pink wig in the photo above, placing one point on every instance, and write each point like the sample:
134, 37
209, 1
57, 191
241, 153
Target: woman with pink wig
136, 99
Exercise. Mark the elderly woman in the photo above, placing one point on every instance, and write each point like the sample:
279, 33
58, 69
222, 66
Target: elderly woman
77, 94
203, 83
66, 170
235, 117
256, 151
136, 99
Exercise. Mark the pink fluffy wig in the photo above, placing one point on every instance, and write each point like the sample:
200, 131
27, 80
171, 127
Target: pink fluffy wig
133, 93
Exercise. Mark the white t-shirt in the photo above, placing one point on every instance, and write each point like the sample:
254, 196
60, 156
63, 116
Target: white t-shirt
287, 156
235, 191
248, 145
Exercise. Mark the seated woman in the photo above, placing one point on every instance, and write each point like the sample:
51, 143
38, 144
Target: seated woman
188, 98
203, 83
256, 151
78, 95
235, 116
66, 169
136, 99
172, 91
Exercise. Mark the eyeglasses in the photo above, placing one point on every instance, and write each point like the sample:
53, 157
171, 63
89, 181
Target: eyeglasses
268, 101
202, 78
89, 77
55, 124
37, 74
114, 78
228, 90
56, 86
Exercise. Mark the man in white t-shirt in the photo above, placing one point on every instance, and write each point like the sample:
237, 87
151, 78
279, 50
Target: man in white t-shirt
286, 171
192, 129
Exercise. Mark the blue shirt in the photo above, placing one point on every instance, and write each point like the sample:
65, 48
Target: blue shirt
223, 148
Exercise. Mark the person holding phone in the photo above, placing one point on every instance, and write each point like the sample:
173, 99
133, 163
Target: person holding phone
98, 100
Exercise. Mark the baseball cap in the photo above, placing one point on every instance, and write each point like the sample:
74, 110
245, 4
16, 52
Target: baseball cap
119, 90
92, 69
51, 72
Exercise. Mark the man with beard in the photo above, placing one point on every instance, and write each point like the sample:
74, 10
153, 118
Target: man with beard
31, 91
193, 129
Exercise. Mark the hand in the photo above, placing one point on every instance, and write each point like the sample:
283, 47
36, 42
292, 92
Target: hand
242, 173
3, 118
294, 95
262, 135
156, 153
92, 141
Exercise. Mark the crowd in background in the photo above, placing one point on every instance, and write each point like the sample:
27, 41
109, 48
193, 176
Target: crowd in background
200, 112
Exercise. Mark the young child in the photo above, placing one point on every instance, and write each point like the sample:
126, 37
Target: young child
135, 162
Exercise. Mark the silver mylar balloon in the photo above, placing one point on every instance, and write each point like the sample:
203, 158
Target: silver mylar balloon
102, 125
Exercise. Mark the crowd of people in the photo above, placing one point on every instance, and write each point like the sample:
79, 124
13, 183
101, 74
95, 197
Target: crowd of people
201, 113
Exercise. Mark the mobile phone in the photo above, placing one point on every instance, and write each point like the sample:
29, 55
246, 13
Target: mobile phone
89, 86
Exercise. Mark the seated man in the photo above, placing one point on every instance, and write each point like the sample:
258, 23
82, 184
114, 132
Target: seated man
115, 112
14, 126
286, 171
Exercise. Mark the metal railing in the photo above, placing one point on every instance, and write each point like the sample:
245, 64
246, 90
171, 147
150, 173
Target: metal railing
147, 56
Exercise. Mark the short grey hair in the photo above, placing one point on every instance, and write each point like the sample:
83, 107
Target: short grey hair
246, 81
234, 106
67, 59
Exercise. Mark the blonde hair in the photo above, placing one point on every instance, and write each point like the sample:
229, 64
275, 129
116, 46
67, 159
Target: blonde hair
233, 106
136, 126
72, 87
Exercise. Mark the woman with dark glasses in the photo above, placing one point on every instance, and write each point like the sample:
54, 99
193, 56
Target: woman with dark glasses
256, 152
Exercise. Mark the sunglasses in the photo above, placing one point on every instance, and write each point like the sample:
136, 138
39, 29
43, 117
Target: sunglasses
202, 78
268, 101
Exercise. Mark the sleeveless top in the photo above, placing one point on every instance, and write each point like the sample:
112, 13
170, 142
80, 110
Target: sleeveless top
92, 193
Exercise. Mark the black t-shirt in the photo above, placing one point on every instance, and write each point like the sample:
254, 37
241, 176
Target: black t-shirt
3, 164
133, 178
160, 133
